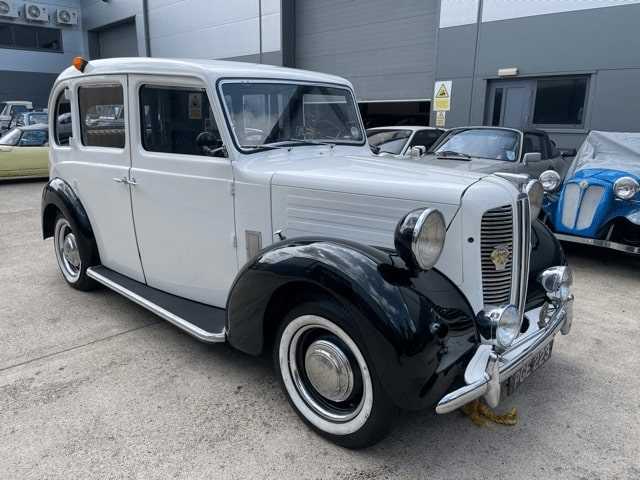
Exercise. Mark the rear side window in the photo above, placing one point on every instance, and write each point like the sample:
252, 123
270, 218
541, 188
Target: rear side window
534, 143
177, 120
425, 138
102, 116
33, 138
62, 130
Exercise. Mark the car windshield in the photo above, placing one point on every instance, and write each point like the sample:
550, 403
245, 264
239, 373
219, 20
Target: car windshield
11, 138
270, 114
486, 143
38, 118
389, 141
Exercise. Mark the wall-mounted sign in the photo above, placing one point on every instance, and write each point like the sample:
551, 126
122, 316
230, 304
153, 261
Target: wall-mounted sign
442, 96
441, 119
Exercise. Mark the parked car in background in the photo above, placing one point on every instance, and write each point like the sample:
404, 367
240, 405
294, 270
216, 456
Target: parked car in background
398, 141
497, 149
599, 201
24, 152
32, 118
11, 110
243, 204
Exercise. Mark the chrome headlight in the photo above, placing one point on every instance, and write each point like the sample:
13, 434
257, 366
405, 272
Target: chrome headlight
550, 180
535, 191
419, 237
557, 282
625, 188
500, 325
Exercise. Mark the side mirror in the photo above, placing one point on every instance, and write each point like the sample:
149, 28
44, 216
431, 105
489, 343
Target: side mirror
568, 152
417, 151
531, 157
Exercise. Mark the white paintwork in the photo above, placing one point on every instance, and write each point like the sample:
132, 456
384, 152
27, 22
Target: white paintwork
185, 215
90, 172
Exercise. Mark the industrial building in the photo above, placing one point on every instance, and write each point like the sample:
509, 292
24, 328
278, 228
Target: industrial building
563, 66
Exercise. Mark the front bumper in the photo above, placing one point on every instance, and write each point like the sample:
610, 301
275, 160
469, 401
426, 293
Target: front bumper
621, 247
488, 369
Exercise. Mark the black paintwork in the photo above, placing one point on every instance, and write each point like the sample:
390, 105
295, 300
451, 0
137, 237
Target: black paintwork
58, 196
419, 330
546, 252
210, 319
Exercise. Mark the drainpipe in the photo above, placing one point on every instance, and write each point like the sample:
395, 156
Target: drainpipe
475, 59
145, 16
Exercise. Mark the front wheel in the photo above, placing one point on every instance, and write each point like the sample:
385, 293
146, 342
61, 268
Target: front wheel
72, 255
327, 378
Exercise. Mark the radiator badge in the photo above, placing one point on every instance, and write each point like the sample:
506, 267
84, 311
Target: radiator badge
500, 256
584, 184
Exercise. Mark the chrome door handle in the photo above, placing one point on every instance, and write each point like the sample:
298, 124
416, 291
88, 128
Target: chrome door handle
131, 181
120, 180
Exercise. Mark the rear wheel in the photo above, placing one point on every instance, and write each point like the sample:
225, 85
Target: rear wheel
327, 378
72, 255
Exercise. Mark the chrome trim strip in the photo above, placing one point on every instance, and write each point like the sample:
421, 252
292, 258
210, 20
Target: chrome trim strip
508, 362
523, 245
179, 322
621, 247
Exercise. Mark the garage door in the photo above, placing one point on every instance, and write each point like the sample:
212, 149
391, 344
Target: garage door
386, 48
115, 41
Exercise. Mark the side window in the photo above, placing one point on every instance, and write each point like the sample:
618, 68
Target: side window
425, 138
178, 120
102, 116
62, 126
33, 138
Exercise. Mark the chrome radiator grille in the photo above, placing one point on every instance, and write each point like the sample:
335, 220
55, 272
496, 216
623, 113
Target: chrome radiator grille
580, 205
497, 236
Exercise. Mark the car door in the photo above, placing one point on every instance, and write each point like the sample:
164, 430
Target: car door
95, 161
32, 153
182, 199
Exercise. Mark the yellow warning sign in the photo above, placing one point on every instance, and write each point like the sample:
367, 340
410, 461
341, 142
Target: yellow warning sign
442, 96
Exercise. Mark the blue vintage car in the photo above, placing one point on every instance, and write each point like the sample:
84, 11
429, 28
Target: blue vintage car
599, 201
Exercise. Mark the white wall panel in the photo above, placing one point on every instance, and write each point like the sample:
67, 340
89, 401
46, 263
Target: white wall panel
505, 9
458, 12
271, 32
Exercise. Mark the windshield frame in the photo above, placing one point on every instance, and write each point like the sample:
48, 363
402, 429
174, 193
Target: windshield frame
247, 151
452, 131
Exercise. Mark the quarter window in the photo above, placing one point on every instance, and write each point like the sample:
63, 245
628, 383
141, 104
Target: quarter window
178, 120
560, 101
63, 119
102, 116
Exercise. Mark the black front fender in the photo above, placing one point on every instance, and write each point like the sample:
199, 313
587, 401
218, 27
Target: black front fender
418, 331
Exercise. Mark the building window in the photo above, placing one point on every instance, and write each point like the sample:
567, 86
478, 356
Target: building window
27, 37
102, 121
560, 101
392, 113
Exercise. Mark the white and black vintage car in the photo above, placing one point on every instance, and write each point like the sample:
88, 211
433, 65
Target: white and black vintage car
242, 204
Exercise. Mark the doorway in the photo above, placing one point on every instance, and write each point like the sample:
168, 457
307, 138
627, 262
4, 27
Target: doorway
119, 40
510, 103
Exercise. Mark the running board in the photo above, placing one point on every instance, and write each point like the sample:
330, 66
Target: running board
204, 322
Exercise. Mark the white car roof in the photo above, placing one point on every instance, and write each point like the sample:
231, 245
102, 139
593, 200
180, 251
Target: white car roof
212, 69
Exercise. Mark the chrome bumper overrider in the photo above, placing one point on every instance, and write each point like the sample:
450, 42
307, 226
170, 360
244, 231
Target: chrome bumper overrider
488, 368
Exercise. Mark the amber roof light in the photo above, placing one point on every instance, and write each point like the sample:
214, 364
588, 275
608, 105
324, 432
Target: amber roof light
80, 63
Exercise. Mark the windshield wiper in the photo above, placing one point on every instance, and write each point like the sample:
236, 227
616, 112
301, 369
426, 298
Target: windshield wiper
452, 154
288, 144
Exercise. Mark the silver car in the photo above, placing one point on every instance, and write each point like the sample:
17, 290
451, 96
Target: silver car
400, 141
497, 149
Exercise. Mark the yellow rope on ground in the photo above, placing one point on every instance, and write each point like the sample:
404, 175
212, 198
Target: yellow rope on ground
480, 414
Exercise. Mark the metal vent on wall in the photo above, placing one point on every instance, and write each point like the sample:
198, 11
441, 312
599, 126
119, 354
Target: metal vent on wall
497, 235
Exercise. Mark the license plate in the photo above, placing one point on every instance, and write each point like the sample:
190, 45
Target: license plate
528, 368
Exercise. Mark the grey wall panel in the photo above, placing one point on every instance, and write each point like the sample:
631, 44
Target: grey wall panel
574, 41
387, 49
34, 86
616, 101
117, 41
456, 51
268, 58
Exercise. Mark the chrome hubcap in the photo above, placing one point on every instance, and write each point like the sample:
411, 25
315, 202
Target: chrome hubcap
329, 370
67, 251
70, 250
